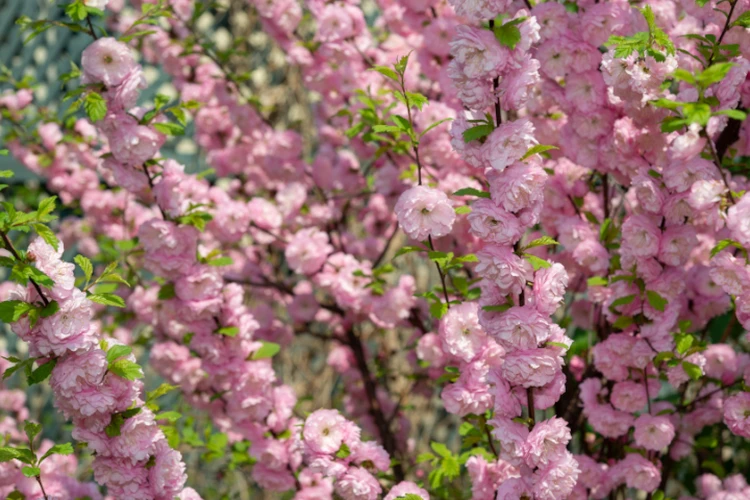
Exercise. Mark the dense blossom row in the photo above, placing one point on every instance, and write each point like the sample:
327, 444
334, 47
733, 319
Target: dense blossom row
634, 232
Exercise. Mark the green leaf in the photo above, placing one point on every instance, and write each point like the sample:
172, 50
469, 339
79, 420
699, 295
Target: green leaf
107, 299
597, 281
666, 103
49, 309
656, 301
160, 391
229, 331
658, 495
46, 207
724, 244
58, 449
498, 308
41, 373
478, 132
32, 430
539, 148
735, 114
126, 369
425, 457
683, 342
166, 292
387, 72
697, 112
408, 249
391, 129
115, 423
85, 265
30, 471
95, 106
623, 301
693, 371
537, 262
464, 209
713, 74
540, 242
433, 125
440, 449
508, 35
136, 34
169, 128
438, 309
171, 416
118, 351
623, 322
561, 345
343, 451
7, 454
47, 235
743, 20
12, 310
663, 356
469, 257
409, 496
267, 350
472, 192
714, 467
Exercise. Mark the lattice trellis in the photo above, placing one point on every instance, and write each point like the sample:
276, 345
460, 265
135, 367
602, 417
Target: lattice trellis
48, 56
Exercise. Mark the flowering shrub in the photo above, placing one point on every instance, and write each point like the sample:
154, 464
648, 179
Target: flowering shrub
517, 232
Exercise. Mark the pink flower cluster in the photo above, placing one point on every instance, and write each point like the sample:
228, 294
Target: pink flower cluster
628, 237
91, 395
58, 472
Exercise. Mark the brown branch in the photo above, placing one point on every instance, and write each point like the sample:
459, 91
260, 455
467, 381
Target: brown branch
9, 246
376, 412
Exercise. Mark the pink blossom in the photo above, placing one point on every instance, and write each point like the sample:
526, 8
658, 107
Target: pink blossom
549, 288
628, 396
531, 367
556, 480
737, 414
461, 333
641, 236
324, 431
520, 327
478, 10
405, 488
358, 484
738, 220
170, 249
519, 187
478, 52
507, 144
504, 268
107, 61
494, 224
547, 442
424, 212
511, 437
307, 250
653, 433
637, 472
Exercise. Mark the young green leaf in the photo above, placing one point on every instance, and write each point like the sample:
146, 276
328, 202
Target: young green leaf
95, 106
538, 149
472, 192
107, 299
656, 301
126, 369
477, 132
536, 262
117, 352
267, 350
